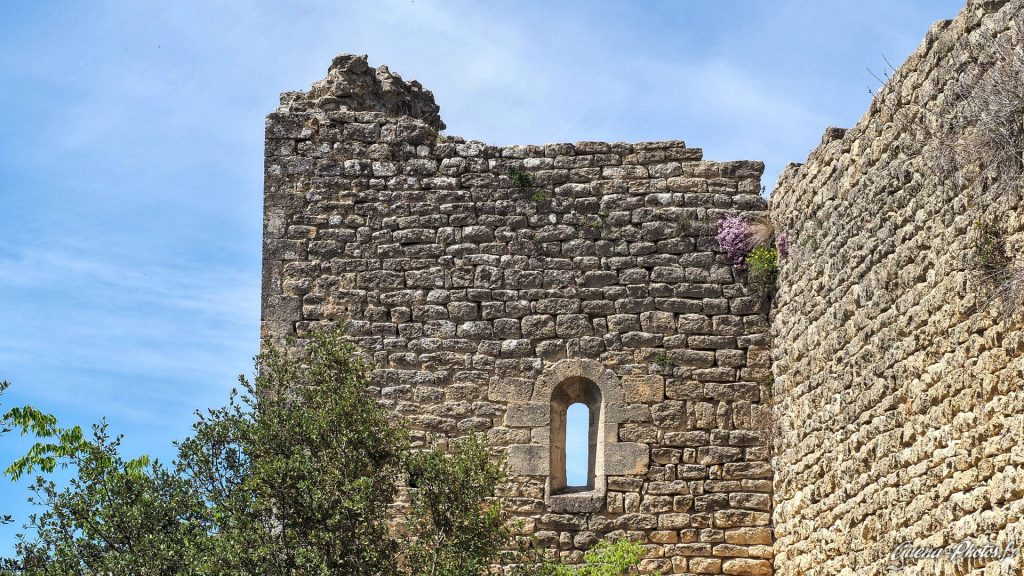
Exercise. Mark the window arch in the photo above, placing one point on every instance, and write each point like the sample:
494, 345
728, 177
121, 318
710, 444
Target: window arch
576, 391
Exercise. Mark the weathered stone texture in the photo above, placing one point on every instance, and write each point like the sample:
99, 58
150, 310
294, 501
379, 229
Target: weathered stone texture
477, 297
898, 390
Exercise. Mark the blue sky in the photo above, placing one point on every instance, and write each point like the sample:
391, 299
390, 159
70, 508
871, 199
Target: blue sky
131, 137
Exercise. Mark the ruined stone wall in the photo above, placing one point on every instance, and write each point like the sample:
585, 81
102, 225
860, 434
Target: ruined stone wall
492, 284
897, 375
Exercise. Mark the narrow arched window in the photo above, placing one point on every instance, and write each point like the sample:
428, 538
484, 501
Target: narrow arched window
577, 446
575, 421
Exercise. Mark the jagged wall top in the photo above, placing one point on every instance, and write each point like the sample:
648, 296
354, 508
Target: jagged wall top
353, 85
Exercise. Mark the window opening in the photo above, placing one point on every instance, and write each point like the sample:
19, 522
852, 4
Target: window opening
577, 446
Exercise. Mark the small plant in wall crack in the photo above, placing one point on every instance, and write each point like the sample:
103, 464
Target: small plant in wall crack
685, 224
520, 178
663, 360
594, 223
992, 264
990, 246
734, 238
524, 180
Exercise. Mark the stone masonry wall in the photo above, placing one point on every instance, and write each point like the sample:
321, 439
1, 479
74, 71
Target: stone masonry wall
487, 298
897, 381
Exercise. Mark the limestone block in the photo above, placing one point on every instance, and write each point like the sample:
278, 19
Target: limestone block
658, 322
700, 565
619, 412
615, 503
573, 325
673, 521
669, 415
528, 460
528, 415
624, 458
538, 326
745, 536
643, 388
516, 390
746, 567
672, 487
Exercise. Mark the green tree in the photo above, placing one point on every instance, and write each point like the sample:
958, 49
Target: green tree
115, 516
459, 528
301, 468
298, 474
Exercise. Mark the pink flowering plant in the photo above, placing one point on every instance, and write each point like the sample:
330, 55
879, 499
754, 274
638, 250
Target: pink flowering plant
752, 245
733, 238
782, 244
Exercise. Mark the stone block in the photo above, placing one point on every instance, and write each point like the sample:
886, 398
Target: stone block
746, 567
643, 388
509, 389
658, 322
717, 454
744, 536
669, 415
528, 415
673, 521
573, 326
528, 460
700, 565
538, 326
692, 438
626, 458
738, 518
670, 487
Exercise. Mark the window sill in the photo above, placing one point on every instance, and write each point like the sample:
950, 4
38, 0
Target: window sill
576, 501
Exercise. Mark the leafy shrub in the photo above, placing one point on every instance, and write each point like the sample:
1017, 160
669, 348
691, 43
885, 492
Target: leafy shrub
763, 267
298, 475
303, 455
5, 427
116, 516
604, 559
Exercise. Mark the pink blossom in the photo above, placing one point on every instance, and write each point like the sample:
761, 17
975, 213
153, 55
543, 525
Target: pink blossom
782, 243
733, 238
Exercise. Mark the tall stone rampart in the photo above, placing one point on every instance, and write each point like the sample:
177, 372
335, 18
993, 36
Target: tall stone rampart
897, 336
